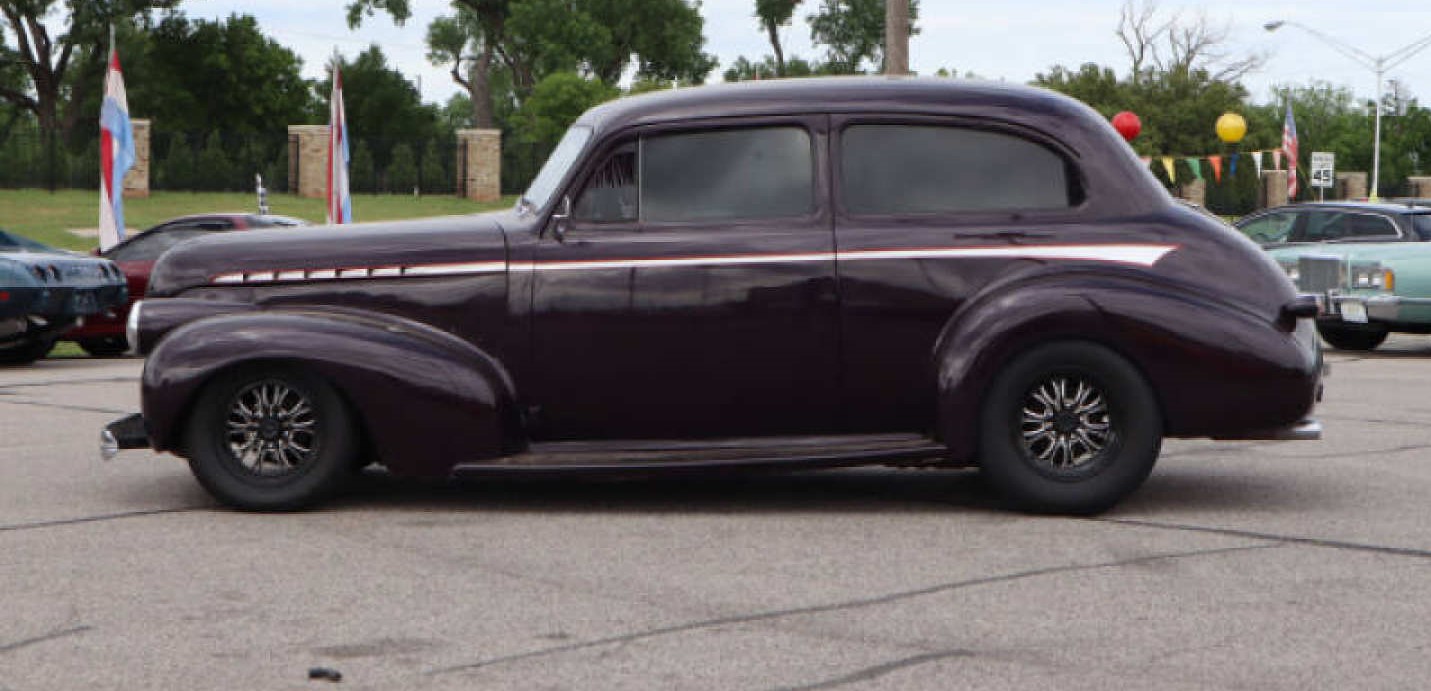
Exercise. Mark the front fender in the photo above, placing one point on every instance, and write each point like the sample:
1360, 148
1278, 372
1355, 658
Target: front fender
1216, 368
426, 399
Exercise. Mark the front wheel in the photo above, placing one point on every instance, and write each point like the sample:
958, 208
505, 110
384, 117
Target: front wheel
1069, 428
1345, 338
271, 438
26, 350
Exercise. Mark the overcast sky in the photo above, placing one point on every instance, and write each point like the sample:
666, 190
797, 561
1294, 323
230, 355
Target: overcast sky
996, 39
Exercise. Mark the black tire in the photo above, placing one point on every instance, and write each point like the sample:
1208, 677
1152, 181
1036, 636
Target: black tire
1123, 437
280, 478
1352, 338
27, 350
109, 346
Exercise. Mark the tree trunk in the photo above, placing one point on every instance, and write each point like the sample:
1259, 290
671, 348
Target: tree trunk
481, 90
771, 29
896, 37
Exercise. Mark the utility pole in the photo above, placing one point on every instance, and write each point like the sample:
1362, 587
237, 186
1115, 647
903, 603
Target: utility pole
896, 37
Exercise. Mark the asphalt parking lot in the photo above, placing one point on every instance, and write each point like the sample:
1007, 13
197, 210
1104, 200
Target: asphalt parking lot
1257, 565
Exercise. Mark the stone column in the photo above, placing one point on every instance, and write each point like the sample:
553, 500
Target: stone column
1350, 185
1194, 191
1273, 191
479, 165
308, 160
1419, 187
136, 181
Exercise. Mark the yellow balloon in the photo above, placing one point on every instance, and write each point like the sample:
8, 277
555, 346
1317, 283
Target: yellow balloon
1231, 128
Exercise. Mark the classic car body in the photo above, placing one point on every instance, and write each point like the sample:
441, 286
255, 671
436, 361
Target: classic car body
1368, 263
723, 277
103, 334
44, 291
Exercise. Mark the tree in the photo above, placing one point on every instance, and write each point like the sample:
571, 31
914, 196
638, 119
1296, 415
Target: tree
774, 14
382, 106
1178, 45
220, 75
402, 172
896, 37
742, 69
852, 32
433, 174
555, 103
363, 170
53, 39
214, 171
530, 39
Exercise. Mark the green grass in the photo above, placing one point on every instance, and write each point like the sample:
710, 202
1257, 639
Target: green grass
49, 216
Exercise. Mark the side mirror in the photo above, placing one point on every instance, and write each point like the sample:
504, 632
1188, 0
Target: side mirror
560, 218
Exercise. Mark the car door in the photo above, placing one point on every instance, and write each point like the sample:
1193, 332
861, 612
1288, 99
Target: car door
926, 209
691, 292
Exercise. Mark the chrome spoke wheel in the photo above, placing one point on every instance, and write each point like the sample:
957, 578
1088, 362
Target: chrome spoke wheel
271, 429
1065, 423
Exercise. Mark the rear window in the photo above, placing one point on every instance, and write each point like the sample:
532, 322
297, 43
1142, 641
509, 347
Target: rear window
1422, 224
917, 169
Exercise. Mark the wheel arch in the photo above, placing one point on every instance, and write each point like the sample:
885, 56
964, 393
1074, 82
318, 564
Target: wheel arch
424, 400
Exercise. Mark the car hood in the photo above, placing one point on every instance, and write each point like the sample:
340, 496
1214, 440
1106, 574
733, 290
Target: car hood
19, 268
1363, 251
232, 258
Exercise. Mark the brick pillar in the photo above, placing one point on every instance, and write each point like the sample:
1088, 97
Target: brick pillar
1350, 185
136, 181
1273, 191
308, 160
1195, 192
1419, 186
479, 165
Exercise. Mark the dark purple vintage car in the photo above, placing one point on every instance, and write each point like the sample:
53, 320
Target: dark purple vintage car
778, 275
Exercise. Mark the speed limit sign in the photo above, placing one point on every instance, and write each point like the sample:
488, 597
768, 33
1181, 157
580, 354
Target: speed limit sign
1324, 169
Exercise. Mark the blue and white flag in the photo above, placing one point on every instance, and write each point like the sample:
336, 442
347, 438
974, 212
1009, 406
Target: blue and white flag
116, 153
340, 201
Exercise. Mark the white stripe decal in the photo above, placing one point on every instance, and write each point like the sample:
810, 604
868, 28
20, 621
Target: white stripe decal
1141, 255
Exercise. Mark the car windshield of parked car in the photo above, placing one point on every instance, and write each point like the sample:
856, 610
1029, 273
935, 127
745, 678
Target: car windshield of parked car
556, 167
758, 172
1269, 228
10, 242
148, 247
908, 169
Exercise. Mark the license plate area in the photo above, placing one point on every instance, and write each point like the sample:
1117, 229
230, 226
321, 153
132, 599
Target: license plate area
1353, 311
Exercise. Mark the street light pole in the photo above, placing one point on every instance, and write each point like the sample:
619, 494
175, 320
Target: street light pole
1377, 64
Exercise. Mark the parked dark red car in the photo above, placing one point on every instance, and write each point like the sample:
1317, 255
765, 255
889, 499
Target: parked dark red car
103, 334
781, 275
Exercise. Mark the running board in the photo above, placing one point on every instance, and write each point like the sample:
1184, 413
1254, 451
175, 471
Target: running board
641, 456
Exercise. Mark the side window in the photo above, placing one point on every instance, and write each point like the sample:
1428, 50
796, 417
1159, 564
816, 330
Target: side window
918, 169
1320, 227
758, 172
1368, 226
1273, 227
610, 193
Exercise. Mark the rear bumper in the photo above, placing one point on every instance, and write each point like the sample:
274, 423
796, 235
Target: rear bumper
128, 432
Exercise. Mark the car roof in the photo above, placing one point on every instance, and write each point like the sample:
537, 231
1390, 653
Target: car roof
1381, 206
827, 95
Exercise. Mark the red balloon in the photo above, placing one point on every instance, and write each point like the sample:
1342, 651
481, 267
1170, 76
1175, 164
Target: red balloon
1127, 125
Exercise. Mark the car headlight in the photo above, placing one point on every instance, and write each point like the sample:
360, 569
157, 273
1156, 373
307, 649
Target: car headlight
1372, 277
1292, 272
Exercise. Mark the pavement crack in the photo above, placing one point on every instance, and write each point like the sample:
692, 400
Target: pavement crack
1286, 539
837, 606
877, 671
64, 406
12, 647
95, 519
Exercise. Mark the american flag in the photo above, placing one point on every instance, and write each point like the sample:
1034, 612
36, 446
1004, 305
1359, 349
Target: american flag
1289, 146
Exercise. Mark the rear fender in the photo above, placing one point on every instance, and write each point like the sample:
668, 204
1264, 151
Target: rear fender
427, 399
1215, 368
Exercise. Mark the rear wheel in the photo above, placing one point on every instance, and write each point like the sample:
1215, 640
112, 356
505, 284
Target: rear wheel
1069, 428
1348, 338
271, 438
109, 346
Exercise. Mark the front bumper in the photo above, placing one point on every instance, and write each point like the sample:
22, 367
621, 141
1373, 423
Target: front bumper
127, 432
1365, 309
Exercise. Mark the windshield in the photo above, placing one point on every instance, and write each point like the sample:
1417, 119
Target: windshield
556, 166
10, 242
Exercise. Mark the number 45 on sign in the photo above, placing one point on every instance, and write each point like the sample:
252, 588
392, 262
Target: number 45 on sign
1324, 170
